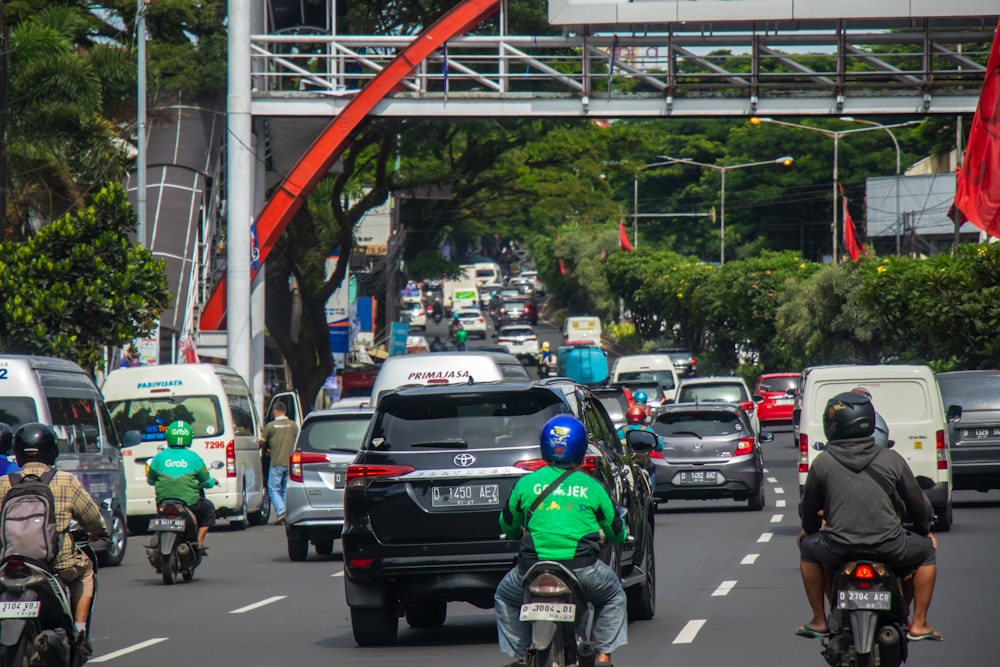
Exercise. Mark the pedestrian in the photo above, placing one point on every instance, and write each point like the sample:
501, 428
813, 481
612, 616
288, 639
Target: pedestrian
278, 440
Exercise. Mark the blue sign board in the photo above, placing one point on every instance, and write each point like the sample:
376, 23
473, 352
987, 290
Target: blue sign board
398, 333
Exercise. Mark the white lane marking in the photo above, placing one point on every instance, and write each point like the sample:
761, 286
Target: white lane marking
129, 649
723, 588
765, 537
689, 631
338, 574
779, 503
766, 471
749, 559
772, 480
776, 518
257, 605
778, 489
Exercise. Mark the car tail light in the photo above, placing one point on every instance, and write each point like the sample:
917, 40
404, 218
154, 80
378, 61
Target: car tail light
656, 455
231, 459
803, 453
694, 362
588, 466
362, 474
548, 585
300, 457
942, 452
747, 406
744, 447
361, 563
481, 320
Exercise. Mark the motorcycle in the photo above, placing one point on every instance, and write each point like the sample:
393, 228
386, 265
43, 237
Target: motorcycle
868, 621
174, 546
562, 621
36, 619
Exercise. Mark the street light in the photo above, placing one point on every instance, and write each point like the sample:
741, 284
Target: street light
835, 135
784, 160
635, 199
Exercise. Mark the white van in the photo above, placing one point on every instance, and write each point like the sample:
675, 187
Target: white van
215, 400
908, 399
585, 329
647, 368
447, 368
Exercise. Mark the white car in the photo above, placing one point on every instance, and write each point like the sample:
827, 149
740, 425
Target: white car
473, 322
521, 341
532, 277
417, 315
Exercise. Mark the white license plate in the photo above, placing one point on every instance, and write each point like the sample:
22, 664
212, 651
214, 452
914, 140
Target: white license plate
172, 525
699, 477
465, 495
548, 611
783, 401
20, 609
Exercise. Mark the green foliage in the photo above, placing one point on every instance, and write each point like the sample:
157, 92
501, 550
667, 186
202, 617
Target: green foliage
79, 284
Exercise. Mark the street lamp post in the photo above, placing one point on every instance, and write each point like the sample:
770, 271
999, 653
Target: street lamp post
835, 135
635, 199
723, 169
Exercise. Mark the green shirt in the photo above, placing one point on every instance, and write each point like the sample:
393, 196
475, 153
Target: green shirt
279, 435
178, 472
567, 525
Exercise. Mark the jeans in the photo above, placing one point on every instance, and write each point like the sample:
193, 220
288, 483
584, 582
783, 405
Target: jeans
600, 586
277, 479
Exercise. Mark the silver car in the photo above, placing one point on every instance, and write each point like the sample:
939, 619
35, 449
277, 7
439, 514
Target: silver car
317, 473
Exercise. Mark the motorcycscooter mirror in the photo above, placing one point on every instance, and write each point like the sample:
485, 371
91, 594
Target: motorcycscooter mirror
926, 483
640, 441
217, 465
131, 438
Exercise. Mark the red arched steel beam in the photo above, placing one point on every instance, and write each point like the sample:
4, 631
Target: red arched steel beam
316, 162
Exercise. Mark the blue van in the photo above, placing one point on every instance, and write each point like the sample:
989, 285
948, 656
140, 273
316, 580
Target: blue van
586, 364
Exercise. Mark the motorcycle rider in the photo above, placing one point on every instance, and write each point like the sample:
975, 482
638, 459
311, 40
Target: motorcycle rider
566, 530
179, 472
437, 310
635, 418
546, 360
848, 484
36, 451
438, 345
641, 399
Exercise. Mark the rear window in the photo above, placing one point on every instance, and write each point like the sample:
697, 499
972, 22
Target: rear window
514, 372
616, 406
702, 423
972, 393
465, 421
721, 392
516, 331
151, 416
663, 378
333, 434
778, 384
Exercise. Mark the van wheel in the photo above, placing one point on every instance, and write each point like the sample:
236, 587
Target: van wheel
241, 524
117, 541
375, 627
944, 520
260, 517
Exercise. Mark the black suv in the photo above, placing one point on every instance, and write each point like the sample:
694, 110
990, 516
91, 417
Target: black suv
424, 495
684, 362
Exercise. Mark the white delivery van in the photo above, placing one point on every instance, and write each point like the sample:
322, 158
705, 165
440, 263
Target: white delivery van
647, 368
215, 400
439, 368
908, 398
586, 329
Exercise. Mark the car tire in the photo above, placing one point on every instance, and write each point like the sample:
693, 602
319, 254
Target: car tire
324, 546
757, 501
375, 627
298, 548
642, 598
944, 520
260, 517
423, 613
117, 542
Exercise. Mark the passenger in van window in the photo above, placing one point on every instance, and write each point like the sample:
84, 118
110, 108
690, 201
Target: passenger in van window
278, 440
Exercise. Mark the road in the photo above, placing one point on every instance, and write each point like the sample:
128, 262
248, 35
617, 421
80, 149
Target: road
728, 594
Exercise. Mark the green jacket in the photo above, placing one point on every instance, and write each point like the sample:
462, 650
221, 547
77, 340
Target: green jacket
461, 336
566, 526
178, 472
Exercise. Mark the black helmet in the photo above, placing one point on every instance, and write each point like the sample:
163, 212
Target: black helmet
848, 415
6, 439
35, 442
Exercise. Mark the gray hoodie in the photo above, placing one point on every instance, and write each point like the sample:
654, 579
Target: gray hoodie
857, 510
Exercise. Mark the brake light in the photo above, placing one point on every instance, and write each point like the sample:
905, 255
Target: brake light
531, 465
548, 585
231, 459
694, 362
362, 474
942, 452
300, 457
864, 572
15, 567
747, 406
656, 455
170, 511
361, 563
803, 453
744, 447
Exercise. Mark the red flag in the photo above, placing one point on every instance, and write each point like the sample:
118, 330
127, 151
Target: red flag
623, 237
562, 267
851, 244
977, 193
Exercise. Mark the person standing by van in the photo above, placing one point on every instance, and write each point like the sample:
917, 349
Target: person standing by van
278, 439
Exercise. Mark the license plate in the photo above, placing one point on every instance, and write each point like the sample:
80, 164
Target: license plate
20, 609
783, 401
465, 495
338, 479
172, 525
698, 477
548, 611
981, 433
866, 600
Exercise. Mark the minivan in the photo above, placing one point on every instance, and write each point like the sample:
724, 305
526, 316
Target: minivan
582, 329
218, 405
62, 395
438, 368
908, 398
658, 368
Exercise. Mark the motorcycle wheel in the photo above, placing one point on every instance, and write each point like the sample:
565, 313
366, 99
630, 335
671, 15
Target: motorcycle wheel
552, 655
168, 568
19, 654
866, 659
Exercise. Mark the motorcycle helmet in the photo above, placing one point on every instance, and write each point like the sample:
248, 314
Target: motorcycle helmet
881, 433
6, 439
35, 442
848, 415
179, 434
640, 397
563, 440
635, 415
545, 346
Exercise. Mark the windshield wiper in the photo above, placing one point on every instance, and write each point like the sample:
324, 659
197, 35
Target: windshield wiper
442, 444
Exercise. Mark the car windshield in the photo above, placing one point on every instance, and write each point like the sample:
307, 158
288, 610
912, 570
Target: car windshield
726, 392
17, 410
511, 332
970, 392
151, 416
462, 421
333, 434
701, 423
663, 378
779, 384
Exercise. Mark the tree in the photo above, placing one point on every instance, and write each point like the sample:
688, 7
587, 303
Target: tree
79, 284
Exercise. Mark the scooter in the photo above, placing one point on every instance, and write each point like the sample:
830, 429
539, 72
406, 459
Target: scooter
868, 621
174, 547
36, 619
562, 621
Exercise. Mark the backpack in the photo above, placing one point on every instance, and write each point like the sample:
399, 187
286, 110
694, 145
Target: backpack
28, 518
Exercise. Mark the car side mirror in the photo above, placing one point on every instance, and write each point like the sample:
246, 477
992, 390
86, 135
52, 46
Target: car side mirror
766, 436
954, 413
757, 398
790, 392
131, 438
640, 441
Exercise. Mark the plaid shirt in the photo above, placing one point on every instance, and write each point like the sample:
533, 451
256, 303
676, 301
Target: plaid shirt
72, 500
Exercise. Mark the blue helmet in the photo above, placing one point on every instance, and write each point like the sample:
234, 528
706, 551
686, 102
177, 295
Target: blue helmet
563, 440
640, 397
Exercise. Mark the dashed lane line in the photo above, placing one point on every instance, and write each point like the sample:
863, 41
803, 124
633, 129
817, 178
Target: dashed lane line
258, 605
129, 649
779, 503
749, 559
338, 574
724, 589
778, 490
776, 518
772, 480
765, 537
689, 631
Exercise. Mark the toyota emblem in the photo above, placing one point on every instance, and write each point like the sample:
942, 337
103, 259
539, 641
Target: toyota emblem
464, 460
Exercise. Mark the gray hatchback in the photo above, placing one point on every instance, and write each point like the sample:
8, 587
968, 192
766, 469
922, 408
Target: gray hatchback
317, 471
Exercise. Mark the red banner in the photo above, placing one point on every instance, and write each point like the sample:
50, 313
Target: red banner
851, 244
623, 237
977, 193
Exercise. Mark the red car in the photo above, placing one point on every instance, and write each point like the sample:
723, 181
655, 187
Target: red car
774, 396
